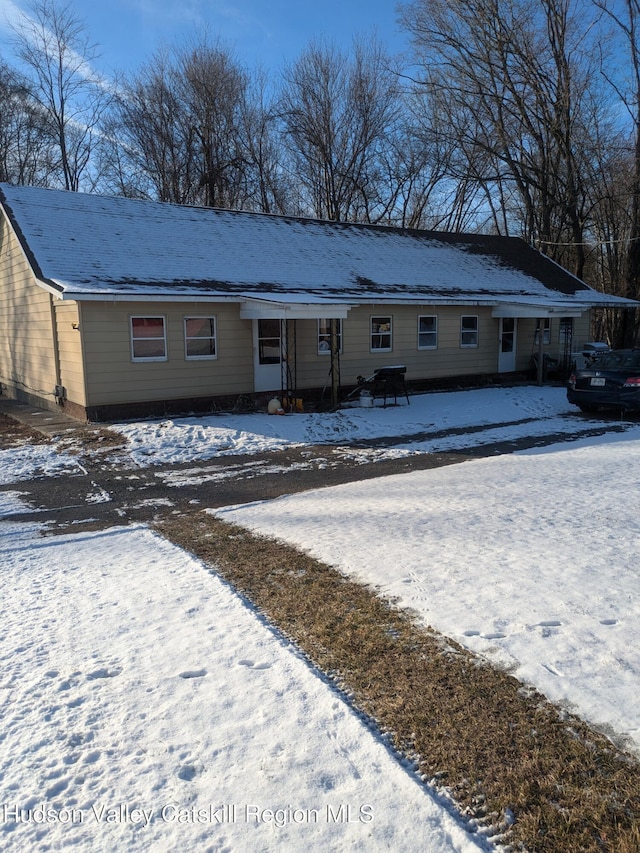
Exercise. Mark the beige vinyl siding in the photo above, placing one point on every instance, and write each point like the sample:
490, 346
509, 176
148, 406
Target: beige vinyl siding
526, 342
27, 362
581, 332
356, 359
67, 316
527, 345
114, 378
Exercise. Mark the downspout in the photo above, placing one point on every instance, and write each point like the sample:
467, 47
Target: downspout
56, 351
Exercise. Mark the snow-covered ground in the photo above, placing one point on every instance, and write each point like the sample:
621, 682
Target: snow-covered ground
436, 422
136, 683
531, 560
427, 416
145, 707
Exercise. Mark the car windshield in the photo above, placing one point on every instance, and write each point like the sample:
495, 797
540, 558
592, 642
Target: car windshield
619, 360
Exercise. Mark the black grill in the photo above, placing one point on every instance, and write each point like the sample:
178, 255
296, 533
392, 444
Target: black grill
389, 382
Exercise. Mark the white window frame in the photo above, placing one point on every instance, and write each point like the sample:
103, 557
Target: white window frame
133, 338
546, 331
475, 332
214, 338
433, 332
325, 337
388, 321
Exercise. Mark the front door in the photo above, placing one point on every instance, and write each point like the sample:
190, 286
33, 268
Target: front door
267, 348
507, 350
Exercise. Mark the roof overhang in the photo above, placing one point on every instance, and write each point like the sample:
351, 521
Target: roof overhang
259, 310
537, 312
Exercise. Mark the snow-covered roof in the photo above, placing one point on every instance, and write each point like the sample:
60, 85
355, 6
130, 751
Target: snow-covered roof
90, 246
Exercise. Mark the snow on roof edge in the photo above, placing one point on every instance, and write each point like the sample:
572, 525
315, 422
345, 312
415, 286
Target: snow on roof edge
483, 271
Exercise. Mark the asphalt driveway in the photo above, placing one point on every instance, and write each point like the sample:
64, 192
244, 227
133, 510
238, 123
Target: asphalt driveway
104, 489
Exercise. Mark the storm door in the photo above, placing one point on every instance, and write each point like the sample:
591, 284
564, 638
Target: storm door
267, 345
507, 350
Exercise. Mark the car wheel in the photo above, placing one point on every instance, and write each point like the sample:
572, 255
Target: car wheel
587, 408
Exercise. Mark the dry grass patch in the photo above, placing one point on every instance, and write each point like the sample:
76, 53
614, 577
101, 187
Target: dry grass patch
14, 433
84, 439
76, 439
534, 775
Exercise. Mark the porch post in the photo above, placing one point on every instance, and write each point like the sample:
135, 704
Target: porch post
540, 352
335, 363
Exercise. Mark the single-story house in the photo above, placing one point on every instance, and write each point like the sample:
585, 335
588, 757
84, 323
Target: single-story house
116, 307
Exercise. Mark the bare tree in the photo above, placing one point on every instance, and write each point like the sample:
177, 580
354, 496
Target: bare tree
607, 263
337, 114
193, 132
155, 143
513, 80
213, 90
269, 181
25, 151
458, 190
58, 57
626, 18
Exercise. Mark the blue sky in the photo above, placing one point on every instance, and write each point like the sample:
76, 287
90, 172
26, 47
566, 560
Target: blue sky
260, 32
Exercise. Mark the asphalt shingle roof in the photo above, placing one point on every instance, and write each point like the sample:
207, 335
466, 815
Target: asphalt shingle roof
87, 245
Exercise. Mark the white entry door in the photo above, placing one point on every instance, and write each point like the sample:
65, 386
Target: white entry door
507, 349
267, 355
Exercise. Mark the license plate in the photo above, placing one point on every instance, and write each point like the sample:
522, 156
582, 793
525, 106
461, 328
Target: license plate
598, 381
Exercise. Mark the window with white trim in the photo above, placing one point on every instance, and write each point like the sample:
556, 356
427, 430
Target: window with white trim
427, 331
148, 339
468, 331
381, 334
546, 331
324, 336
200, 337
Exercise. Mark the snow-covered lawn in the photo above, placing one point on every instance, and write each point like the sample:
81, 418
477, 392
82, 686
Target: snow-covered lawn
428, 415
440, 421
532, 560
145, 707
134, 681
